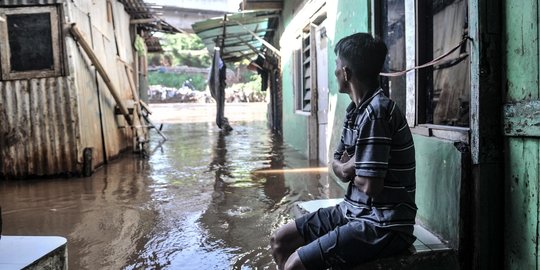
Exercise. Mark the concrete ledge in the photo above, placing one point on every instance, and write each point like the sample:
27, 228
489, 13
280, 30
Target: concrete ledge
427, 252
33, 252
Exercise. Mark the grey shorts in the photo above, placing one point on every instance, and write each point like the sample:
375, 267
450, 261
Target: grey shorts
334, 241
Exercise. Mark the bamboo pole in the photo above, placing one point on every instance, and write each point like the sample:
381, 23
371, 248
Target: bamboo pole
145, 106
99, 67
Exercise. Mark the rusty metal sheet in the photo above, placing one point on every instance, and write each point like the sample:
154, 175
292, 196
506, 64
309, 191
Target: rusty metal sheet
522, 119
81, 69
29, 2
37, 135
100, 128
122, 34
47, 123
116, 132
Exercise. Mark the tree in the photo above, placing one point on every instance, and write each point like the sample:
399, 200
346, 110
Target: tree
181, 49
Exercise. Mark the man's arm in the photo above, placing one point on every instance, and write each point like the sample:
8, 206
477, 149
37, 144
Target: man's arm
344, 167
372, 186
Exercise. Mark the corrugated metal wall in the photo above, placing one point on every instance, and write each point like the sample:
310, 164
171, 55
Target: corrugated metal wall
37, 135
47, 123
101, 130
29, 2
84, 75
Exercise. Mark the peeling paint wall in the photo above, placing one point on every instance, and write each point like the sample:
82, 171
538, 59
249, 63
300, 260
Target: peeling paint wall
438, 185
36, 132
295, 126
522, 141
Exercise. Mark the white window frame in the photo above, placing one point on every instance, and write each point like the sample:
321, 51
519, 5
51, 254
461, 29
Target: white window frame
454, 133
299, 70
298, 77
5, 51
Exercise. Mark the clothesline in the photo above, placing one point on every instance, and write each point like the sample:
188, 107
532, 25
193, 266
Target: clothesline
430, 63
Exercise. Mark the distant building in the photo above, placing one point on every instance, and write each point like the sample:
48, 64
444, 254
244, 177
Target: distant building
186, 12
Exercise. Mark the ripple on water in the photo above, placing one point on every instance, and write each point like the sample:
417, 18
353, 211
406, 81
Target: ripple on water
195, 203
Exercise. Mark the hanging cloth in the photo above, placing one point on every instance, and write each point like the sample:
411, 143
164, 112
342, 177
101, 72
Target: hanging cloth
216, 83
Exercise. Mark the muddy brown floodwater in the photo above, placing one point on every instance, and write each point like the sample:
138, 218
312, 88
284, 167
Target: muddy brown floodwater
201, 200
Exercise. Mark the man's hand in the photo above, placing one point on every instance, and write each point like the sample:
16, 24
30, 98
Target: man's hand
345, 157
369, 185
344, 167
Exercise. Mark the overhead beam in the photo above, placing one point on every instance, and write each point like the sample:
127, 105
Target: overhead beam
251, 47
138, 21
262, 5
266, 43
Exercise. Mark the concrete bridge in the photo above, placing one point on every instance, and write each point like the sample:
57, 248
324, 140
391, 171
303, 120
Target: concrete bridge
183, 17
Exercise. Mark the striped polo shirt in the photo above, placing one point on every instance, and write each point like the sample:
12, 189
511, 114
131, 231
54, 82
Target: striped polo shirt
378, 133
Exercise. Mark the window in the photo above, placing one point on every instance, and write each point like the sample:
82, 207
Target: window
441, 92
298, 87
302, 71
29, 42
391, 29
305, 66
445, 85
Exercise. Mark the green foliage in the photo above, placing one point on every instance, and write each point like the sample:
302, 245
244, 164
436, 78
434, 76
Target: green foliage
252, 85
181, 49
176, 80
189, 50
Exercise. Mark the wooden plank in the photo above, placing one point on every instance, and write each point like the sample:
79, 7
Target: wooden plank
522, 119
101, 70
537, 206
522, 94
521, 203
521, 50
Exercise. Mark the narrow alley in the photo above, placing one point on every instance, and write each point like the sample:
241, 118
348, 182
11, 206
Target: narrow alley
200, 200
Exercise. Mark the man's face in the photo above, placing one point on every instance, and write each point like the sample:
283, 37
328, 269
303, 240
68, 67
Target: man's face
340, 76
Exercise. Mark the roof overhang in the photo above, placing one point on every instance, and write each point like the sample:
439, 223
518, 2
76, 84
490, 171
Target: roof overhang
240, 35
261, 5
146, 17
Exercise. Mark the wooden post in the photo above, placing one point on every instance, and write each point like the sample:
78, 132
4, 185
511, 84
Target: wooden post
224, 32
99, 67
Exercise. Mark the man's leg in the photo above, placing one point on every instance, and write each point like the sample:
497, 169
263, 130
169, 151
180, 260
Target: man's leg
284, 242
294, 262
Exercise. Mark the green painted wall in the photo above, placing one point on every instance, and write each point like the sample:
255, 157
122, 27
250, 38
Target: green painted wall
294, 125
344, 17
438, 161
522, 153
350, 17
438, 179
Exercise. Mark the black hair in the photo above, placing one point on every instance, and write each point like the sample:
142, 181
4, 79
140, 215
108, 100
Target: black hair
363, 54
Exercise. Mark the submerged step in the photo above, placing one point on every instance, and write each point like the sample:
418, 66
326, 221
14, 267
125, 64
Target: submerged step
33, 252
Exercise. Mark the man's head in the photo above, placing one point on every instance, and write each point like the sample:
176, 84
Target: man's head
360, 56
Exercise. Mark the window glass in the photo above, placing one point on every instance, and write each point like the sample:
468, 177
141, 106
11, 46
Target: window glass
448, 82
30, 44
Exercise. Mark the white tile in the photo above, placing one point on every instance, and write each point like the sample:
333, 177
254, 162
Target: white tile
24, 250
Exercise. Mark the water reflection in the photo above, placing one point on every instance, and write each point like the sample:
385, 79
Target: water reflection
195, 203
